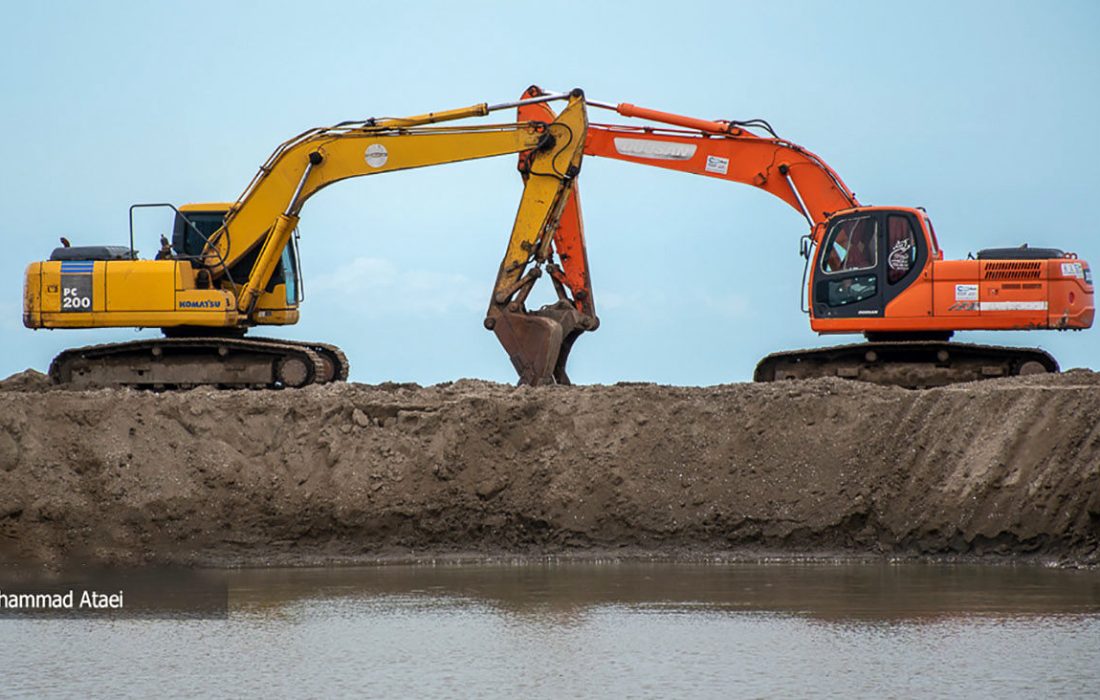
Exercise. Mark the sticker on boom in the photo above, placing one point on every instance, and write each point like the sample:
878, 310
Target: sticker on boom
654, 150
719, 166
376, 155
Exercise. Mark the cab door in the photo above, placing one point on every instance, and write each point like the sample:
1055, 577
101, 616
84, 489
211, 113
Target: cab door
848, 274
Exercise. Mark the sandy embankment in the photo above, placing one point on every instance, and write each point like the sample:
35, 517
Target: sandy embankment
346, 472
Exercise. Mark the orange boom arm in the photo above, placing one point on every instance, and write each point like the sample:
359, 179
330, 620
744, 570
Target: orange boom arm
718, 149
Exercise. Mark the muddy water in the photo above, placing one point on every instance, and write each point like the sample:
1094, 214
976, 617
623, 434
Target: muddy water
605, 630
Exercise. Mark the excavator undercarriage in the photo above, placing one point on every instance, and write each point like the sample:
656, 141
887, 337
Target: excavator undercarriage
186, 362
913, 364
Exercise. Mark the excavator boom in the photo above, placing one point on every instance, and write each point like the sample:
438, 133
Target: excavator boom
716, 149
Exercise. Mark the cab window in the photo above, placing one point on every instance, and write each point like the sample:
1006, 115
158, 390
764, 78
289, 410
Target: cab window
850, 290
902, 244
853, 245
188, 242
289, 270
932, 232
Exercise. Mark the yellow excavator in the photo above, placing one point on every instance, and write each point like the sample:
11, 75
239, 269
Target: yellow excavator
232, 267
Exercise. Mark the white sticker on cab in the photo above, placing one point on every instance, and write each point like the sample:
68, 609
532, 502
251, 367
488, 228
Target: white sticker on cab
966, 292
1075, 269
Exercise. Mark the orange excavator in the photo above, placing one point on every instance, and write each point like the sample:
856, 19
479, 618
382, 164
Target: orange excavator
874, 270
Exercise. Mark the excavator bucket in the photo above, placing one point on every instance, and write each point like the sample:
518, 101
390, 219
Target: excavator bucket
538, 342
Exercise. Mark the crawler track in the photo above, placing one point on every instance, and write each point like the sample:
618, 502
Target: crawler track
336, 362
175, 363
909, 364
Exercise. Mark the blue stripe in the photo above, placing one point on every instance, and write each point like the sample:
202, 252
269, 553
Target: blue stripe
77, 266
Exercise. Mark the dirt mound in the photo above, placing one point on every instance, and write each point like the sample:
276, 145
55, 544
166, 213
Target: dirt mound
1006, 467
27, 380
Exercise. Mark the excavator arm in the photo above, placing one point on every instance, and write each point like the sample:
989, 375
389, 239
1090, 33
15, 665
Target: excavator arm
725, 150
266, 214
538, 342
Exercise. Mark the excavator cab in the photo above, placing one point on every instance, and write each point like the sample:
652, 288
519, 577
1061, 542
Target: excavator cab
867, 258
193, 227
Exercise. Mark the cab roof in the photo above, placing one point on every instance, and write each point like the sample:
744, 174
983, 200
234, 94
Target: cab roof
207, 206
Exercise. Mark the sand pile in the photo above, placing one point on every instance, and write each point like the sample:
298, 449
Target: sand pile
1003, 467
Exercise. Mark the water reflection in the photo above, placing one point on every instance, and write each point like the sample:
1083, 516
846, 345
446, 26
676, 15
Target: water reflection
562, 592
591, 630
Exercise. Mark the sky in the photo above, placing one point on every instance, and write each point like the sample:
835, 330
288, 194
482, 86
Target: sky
982, 112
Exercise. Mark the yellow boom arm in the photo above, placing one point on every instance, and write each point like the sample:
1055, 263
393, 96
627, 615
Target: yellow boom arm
266, 214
